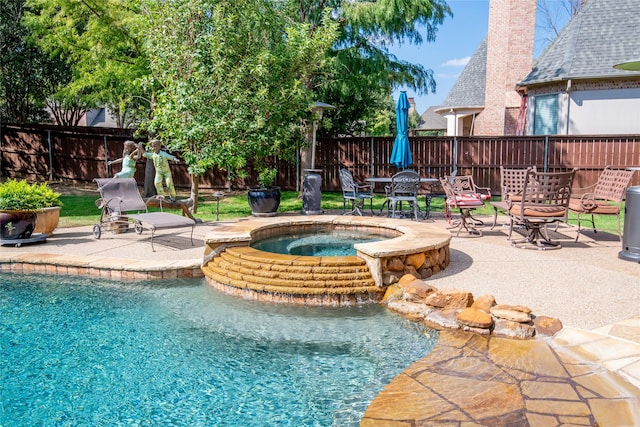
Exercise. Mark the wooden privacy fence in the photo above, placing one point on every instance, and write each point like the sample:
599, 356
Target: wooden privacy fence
51, 153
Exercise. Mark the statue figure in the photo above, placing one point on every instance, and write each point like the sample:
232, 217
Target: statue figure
163, 171
130, 155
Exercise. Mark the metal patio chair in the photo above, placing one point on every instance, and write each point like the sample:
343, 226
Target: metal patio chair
463, 194
354, 192
545, 200
603, 198
403, 189
511, 184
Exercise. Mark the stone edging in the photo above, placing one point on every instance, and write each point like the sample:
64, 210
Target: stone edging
458, 309
92, 266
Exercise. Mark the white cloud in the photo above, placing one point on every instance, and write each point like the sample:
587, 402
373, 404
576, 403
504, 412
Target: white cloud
448, 76
461, 62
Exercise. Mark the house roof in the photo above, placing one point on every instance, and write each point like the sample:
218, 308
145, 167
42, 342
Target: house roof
469, 89
432, 121
601, 34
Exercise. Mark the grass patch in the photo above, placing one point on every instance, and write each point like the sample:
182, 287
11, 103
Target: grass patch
81, 209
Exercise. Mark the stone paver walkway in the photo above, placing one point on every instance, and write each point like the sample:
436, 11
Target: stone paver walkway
577, 378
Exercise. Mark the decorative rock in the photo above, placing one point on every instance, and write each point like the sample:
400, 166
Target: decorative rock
425, 272
442, 319
513, 315
474, 318
395, 264
507, 328
450, 298
484, 303
547, 326
413, 311
393, 293
479, 331
389, 278
412, 271
521, 308
406, 279
415, 260
417, 290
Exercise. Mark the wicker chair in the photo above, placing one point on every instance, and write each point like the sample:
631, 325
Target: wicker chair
602, 198
511, 184
463, 194
354, 192
545, 200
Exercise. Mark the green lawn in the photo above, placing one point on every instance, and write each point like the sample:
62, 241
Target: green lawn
81, 210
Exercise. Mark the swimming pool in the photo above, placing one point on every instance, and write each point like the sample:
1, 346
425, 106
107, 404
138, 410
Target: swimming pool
81, 351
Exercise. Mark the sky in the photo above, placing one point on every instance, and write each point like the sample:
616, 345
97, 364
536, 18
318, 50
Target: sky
456, 41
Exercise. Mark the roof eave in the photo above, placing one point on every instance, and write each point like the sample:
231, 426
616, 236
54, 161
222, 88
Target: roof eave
447, 109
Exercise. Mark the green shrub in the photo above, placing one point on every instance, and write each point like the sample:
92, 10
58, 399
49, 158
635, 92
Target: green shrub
20, 195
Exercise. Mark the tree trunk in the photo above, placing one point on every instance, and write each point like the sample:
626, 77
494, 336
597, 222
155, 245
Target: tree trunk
195, 190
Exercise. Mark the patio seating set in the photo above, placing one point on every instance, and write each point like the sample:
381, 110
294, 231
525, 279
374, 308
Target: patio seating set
531, 200
401, 190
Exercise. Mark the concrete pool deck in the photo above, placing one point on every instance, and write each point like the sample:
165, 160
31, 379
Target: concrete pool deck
588, 373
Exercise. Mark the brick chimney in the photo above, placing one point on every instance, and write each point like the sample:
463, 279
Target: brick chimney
510, 40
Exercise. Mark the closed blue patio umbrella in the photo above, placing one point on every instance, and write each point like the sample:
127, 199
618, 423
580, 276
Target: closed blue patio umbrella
401, 153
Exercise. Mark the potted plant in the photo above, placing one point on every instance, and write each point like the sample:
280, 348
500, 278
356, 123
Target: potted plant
264, 200
27, 208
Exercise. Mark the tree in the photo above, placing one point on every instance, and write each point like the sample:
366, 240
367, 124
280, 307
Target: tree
555, 14
367, 71
102, 42
24, 68
232, 77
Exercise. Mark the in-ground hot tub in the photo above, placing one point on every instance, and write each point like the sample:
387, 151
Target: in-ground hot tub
232, 265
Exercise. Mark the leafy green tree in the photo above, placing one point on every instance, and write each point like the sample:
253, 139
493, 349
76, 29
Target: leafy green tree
367, 71
102, 41
24, 69
233, 80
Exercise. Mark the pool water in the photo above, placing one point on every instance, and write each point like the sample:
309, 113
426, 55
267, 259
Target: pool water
326, 243
81, 351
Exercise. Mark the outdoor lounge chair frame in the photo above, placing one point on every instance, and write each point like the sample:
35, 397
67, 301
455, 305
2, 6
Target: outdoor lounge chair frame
602, 198
545, 200
121, 203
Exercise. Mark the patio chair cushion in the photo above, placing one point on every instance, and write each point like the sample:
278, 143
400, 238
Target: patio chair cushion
593, 207
466, 200
537, 211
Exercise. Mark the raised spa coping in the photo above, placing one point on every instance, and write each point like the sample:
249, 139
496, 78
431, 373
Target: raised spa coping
412, 237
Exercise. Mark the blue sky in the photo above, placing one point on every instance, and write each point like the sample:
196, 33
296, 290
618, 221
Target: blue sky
456, 41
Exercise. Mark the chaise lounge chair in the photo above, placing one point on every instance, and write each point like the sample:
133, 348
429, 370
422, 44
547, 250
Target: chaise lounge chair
121, 203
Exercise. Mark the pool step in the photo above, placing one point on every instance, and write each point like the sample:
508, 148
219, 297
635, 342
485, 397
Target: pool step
248, 268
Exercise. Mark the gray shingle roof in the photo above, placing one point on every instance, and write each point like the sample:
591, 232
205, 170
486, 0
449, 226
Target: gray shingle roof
430, 120
601, 34
468, 91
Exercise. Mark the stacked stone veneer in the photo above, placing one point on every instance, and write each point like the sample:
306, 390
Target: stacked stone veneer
458, 309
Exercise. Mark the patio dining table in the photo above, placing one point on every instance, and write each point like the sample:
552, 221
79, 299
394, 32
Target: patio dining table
387, 180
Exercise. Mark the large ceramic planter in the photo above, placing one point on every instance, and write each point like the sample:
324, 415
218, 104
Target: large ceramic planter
47, 220
17, 224
264, 201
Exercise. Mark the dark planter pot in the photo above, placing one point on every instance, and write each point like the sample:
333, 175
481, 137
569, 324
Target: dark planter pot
17, 224
264, 201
